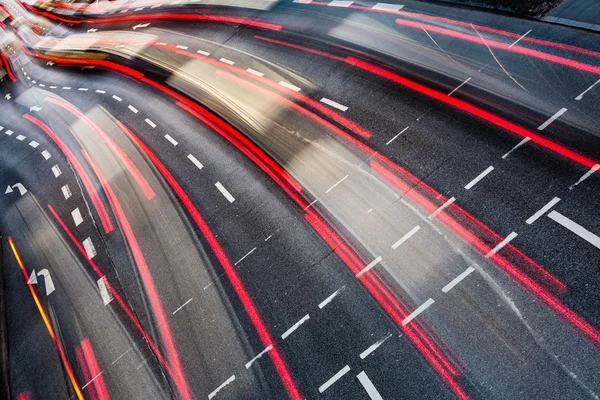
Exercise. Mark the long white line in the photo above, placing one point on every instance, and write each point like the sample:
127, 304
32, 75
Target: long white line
335, 184
441, 208
457, 280
587, 90
552, 119
295, 326
227, 382
500, 245
334, 379
406, 237
394, 138
374, 346
369, 266
575, 228
340, 3
225, 192
334, 104
479, 177
418, 311
519, 39
459, 86
542, 211
368, 385
388, 7
331, 297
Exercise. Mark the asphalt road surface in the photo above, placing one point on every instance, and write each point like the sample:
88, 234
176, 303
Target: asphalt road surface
351, 200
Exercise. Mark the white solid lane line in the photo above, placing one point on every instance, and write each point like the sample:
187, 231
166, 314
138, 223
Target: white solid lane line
459, 86
334, 104
149, 122
335, 184
170, 139
587, 90
521, 143
77, 218
388, 7
552, 119
500, 245
183, 305
227, 382
575, 228
479, 177
330, 297
334, 379
519, 39
369, 387
595, 168
418, 311
255, 72
441, 208
289, 86
374, 346
226, 61
542, 211
246, 255
83, 89
394, 138
369, 266
406, 237
259, 355
295, 326
225, 192
457, 280
195, 161
340, 3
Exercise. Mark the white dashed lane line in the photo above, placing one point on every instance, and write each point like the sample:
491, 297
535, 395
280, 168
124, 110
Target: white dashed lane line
388, 7
500, 245
295, 326
149, 122
587, 90
195, 161
46, 154
418, 311
340, 3
330, 298
170, 139
459, 86
132, 108
225, 192
595, 168
183, 305
394, 138
406, 237
203, 53
552, 119
335, 184
542, 211
77, 218
255, 72
259, 355
226, 61
441, 208
374, 346
334, 379
56, 171
66, 191
246, 255
574, 227
521, 143
368, 386
369, 266
334, 104
117, 98
519, 39
479, 177
217, 390
289, 86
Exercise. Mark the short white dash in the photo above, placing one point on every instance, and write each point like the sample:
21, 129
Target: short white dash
226, 61
227, 382
204, 53
369, 266
368, 386
441, 208
183, 305
170, 139
575, 228
100, 91
388, 7
521, 143
334, 379
246, 255
53, 87
268, 237
335, 184
289, 86
66, 88
46, 154
149, 122
56, 170
34, 144
542, 211
552, 119
374, 346
519, 39
303, 1
66, 191
310, 205
182, 47
90, 250
132, 108
394, 138
329, 298
406, 237
8, 132
587, 90
458, 279
249, 363
585, 176
334, 104
340, 3
197, 163
42, 85
295, 326
255, 72
77, 218
479, 177
156, 6
418, 311
106, 295
500, 245
83, 89
459, 86
117, 98
91, 380
121, 356
225, 192
21, 138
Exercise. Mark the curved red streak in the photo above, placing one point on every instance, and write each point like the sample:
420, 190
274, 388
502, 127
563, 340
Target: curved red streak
121, 155
7, 65
239, 288
87, 183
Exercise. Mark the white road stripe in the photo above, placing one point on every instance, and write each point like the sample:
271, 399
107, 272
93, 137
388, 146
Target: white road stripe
441, 208
259, 355
226, 61
83, 89
303, 1
368, 385
90, 250
374, 346
479, 177
418, 311
255, 72
170, 139
542, 211
289, 86
204, 53
227, 382
295, 326
77, 218
21, 138
91, 380
121, 356
247, 254
53, 87
575, 228
388, 7
106, 295
331, 297
406, 237
457, 280
519, 39
195, 161
369, 266
46, 154
66, 191
42, 85
459, 86
132, 108
182, 47
66, 88
552, 119
225, 192
587, 90
335, 184
340, 3
183, 305
34, 144
100, 91
585, 176
8, 132
334, 104
149, 122
334, 379
56, 170
394, 138
500, 245
117, 98
521, 143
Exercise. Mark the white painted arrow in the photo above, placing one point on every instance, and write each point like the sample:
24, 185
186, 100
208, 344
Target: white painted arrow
8, 190
140, 26
35, 108
92, 30
21, 188
47, 281
50, 63
7, 97
32, 278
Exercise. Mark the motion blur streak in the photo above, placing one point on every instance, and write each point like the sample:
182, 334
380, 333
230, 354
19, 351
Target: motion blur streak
92, 373
89, 186
4, 62
151, 291
243, 295
40, 308
133, 170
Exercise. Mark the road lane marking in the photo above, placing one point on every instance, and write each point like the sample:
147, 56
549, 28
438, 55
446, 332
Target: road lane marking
303, 1
500, 245
331, 297
575, 228
83, 89
77, 218
66, 191
441, 208
149, 122
247, 254
340, 3
66, 88
585, 176
374, 346
255, 72
310, 205
268, 237
458, 279
56, 171
226, 61
552, 119
8, 132
459, 86
542, 211
132, 108
418, 311
259, 355
289, 86
394, 138
521, 143
406, 237
46, 154
519, 39
34, 144
368, 386
170, 139
295, 326
121, 356
91, 380
388, 7
225, 192
53, 87
334, 379
479, 177
90, 250
204, 53
117, 98
369, 266
334, 104
182, 47
335, 184
197, 163
20, 138
227, 382
587, 90
183, 305
107, 296
100, 91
